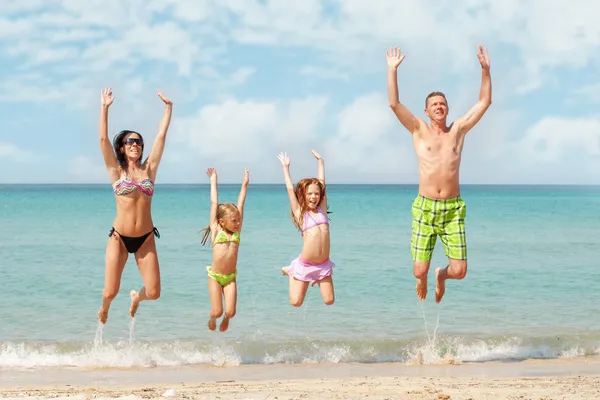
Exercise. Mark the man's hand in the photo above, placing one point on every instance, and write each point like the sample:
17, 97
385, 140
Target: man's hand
394, 57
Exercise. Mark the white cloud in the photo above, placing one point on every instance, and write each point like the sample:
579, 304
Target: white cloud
121, 34
18, 6
563, 34
239, 77
370, 144
588, 93
249, 129
367, 141
14, 28
14, 153
551, 138
194, 11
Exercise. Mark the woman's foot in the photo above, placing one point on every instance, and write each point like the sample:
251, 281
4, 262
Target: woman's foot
135, 302
212, 323
103, 314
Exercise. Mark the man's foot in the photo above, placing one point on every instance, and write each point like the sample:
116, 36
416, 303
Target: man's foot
102, 315
284, 271
440, 286
135, 302
212, 323
224, 324
421, 289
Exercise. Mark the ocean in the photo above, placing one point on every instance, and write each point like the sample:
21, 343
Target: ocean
531, 289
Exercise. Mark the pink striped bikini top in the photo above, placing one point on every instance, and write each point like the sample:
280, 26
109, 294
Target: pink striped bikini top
125, 186
310, 221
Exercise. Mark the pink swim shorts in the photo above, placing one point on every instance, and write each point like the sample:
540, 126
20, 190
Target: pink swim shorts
308, 271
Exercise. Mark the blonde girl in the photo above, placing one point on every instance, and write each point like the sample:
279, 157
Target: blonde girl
224, 232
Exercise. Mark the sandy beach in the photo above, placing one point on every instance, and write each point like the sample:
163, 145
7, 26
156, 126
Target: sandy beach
545, 388
539, 380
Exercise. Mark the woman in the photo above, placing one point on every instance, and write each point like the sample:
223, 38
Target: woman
133, 186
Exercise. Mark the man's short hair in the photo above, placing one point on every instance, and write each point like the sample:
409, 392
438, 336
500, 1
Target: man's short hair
433, 94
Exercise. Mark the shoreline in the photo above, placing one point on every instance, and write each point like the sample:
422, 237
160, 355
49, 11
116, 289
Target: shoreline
578, 378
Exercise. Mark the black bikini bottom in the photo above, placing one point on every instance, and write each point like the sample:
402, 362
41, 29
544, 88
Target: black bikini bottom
133, 244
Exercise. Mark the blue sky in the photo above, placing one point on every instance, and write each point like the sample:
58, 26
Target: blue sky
252, 78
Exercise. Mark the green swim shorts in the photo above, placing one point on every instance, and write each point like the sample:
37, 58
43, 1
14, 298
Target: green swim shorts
444, 218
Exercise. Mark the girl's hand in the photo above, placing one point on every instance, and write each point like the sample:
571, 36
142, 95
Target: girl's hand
317, 155
164, 98
211, 173
285, 160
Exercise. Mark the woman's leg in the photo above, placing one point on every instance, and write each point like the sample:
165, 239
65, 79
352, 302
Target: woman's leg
116, 257
147, 261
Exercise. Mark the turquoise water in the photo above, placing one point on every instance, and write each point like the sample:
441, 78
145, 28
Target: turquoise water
531, 290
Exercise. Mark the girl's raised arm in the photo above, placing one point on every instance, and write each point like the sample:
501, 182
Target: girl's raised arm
285, 162
321, 177
242, 196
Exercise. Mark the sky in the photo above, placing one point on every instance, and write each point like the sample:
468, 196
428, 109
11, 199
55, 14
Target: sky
252, 78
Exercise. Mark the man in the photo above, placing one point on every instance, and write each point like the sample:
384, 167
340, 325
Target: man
438, 210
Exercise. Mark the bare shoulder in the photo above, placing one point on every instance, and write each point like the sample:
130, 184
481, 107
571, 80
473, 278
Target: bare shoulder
115, 173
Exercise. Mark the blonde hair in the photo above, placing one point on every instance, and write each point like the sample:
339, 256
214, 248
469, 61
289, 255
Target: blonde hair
300, 190
224, 211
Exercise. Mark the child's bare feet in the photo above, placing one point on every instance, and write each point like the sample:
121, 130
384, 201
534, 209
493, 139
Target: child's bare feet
212, 323
224, 324
135, 302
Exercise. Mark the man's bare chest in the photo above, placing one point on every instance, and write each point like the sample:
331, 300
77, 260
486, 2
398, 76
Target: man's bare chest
436, 144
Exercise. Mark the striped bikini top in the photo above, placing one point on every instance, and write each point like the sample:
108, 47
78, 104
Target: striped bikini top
125, 186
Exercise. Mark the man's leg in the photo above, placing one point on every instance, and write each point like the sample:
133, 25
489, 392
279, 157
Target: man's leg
456, 269
420, 270
455, 244
421, 245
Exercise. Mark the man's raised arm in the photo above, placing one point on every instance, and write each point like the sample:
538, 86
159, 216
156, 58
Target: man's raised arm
394, 58
485, 94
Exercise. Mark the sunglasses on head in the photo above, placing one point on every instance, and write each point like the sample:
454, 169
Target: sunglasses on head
131, 141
